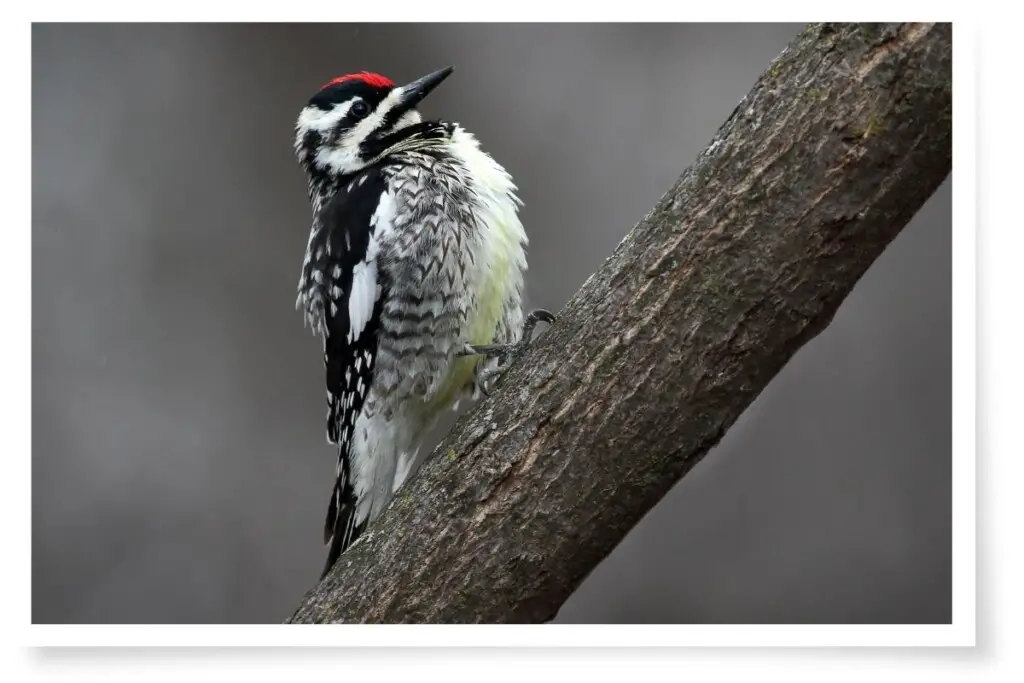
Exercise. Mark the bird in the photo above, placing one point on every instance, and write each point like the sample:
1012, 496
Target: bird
413, 279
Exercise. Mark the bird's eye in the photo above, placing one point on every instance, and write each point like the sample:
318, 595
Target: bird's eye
360, 109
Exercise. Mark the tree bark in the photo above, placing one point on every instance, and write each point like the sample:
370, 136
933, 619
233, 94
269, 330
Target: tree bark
744, 259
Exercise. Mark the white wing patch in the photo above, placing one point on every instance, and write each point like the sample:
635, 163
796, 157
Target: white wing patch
363, 296
383, 215
365, 289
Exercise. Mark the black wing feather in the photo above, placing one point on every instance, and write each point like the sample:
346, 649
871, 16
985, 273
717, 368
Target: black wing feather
338, 247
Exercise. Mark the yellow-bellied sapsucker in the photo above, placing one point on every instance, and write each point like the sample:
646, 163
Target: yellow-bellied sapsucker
413, 278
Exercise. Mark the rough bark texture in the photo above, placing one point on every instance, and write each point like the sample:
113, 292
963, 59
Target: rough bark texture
744, 260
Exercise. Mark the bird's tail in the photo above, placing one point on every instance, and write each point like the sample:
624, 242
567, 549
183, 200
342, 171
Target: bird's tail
341, 527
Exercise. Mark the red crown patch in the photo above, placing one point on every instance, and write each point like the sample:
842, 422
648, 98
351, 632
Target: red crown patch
371, 79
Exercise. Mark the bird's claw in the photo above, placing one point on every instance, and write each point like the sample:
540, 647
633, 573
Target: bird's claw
506, 353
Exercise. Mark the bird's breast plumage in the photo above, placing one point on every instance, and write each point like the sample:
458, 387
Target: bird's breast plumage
455, 257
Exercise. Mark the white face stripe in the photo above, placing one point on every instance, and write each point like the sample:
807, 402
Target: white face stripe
407, 119
313, 118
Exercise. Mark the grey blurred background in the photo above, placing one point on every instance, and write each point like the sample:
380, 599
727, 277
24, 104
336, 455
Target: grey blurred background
180, 471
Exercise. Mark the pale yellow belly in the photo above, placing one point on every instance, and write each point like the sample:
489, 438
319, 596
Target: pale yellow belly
493, 290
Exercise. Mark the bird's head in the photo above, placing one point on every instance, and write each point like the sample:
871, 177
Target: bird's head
352, 119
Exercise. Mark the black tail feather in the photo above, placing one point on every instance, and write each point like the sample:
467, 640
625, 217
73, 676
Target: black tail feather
332, 515
340, 527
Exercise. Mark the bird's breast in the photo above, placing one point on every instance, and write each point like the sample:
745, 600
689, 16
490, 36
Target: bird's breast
461, 218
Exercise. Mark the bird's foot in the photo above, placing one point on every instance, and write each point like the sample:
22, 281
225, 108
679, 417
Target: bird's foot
506, 353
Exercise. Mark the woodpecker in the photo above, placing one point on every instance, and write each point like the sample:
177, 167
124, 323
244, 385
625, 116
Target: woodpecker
413, 279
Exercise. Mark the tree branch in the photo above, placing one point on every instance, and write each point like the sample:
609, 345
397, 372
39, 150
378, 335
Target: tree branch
745, 259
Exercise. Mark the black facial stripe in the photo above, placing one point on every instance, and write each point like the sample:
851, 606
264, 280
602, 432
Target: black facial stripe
312, 139
424, 130
392, 116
